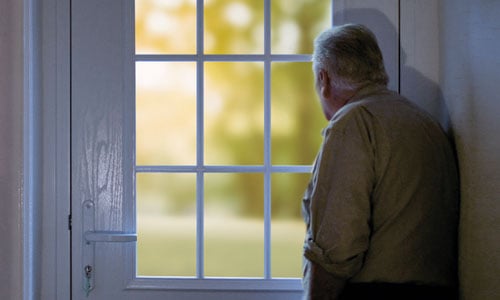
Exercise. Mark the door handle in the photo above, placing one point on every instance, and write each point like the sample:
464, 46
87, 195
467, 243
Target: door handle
109, 237
91, 237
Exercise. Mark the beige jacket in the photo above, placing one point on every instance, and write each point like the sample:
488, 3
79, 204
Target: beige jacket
382, 203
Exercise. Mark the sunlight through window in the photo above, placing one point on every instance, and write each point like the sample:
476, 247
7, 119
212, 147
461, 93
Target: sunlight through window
227, 127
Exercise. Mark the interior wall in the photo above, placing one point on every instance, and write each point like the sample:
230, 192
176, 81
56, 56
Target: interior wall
11, 148
449, 65
419, 57
470, 73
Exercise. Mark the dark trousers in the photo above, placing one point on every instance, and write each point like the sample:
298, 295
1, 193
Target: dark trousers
399, 291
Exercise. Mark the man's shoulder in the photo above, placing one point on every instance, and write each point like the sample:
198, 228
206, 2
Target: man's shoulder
372, 99
384, 107
386, 104
369, 105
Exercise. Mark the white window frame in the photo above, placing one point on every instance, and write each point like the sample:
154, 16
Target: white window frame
200, 169
46, 199
267, 58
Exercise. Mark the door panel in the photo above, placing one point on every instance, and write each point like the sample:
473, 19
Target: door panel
102, 163
102, 73
102, 168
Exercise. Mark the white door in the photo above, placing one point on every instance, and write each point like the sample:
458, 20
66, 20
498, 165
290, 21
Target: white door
191, 144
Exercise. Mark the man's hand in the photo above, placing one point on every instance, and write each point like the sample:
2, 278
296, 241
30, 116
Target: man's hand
319, 284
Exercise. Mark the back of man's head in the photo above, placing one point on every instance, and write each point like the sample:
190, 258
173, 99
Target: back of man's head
351, 55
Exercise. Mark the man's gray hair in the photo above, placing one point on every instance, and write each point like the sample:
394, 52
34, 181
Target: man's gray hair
351, 56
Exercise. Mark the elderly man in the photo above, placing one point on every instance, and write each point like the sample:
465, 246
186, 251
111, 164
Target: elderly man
381, 206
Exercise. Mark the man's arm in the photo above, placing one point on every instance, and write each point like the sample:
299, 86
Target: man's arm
340, 209
319, 284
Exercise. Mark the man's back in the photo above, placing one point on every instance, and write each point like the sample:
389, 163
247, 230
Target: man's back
381, 206
382, 203
414, 200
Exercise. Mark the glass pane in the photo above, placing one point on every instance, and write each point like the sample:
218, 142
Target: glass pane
287, 226
234, 26
295, 24
234, 113
234, 225
166, 224
165, 113
296, 116
165, 26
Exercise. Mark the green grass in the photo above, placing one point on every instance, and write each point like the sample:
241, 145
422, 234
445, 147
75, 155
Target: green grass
233, 248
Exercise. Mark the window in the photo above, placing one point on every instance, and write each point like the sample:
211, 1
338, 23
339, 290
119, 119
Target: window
226, 129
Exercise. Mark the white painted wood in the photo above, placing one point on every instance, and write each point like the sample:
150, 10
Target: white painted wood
382, 17
99, 167
31, 147
54, 102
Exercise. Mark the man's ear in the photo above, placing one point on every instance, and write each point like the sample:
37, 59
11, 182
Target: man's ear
324, 83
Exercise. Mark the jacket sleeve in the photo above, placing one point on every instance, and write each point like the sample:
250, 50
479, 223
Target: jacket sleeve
339, 205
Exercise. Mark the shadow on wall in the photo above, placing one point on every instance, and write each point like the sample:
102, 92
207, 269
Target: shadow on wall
411, 83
